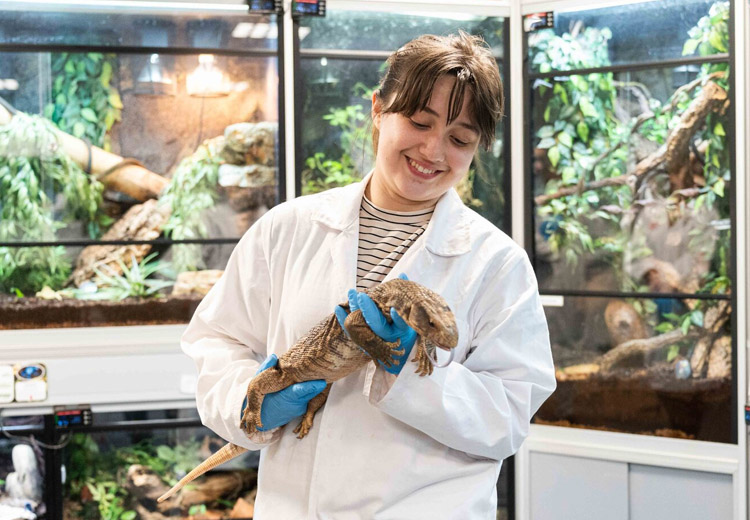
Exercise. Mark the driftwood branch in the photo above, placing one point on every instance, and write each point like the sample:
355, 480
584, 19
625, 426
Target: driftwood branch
115, 172
634, 352
712, 98
637, 350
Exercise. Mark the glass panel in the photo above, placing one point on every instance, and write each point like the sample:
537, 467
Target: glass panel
632, 33
336, 128
336, 124
114, 472
199, 31
179, 146
381, 31
632, 181
650, 366
22, 468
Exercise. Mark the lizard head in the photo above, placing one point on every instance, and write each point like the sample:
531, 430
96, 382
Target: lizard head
434, 321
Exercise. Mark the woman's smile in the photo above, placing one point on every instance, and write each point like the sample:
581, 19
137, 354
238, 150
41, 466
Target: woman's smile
421, 170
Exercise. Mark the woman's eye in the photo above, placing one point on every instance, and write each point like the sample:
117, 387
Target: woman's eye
418, 125
459, 142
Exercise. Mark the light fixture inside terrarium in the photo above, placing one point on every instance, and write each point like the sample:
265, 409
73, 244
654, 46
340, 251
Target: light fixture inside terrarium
207, 80
155, 78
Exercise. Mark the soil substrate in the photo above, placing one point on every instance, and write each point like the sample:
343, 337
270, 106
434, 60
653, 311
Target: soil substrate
650, 401
37, 313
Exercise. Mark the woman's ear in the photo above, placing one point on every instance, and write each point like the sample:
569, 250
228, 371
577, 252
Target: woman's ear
377, 109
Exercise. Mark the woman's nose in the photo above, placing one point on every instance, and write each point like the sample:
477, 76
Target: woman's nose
433, 148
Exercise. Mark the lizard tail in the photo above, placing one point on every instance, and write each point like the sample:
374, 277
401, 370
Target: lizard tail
228, 452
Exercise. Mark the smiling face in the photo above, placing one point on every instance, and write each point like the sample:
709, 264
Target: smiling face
421, 157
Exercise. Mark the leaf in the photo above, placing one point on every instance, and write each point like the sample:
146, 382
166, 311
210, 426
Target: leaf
89, 115
582, 129
718, 187
716, 40
696, 317
685, 325
128, 515
545, 143
79, 129
672, 352
565, 139
587, 108
115, 101
719, 130
547, 113
554, 156
106, 75
545, 131
690, 46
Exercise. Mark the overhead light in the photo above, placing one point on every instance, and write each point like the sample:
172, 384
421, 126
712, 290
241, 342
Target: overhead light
257, 31
155, 79
207, 80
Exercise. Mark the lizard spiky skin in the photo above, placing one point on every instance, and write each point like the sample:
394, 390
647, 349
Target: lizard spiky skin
326, 352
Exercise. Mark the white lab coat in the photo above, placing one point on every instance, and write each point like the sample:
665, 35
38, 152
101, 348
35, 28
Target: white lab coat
383, 446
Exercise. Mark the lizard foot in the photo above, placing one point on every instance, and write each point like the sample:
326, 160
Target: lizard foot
424, 367
250, 421
303, 428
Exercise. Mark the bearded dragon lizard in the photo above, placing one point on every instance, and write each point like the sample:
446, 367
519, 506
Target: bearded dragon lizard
330, 353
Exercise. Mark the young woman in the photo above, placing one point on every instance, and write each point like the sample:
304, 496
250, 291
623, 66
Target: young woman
388, 443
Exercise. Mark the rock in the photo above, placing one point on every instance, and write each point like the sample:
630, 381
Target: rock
196, 282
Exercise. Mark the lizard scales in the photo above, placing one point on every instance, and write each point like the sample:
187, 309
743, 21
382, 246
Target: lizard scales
326, 352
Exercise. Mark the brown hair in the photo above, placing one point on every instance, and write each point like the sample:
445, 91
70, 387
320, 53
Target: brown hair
414, 68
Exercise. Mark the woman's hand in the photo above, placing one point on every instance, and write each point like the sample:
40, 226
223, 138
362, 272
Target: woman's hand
396, 330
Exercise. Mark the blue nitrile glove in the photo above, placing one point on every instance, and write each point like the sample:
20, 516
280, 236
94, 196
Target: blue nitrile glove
281, 407
390, 332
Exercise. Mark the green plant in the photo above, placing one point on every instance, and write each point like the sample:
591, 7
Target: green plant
134, 282
191, 192
103, 472
85, 103
33, 172
321, 172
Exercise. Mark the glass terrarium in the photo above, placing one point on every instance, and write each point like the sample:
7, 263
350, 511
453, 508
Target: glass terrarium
342, 58
134, 151
117, 468
632, 216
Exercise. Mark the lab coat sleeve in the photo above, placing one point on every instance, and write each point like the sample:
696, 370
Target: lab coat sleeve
484, 405
227, 337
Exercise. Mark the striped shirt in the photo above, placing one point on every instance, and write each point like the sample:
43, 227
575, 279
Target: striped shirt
384, 237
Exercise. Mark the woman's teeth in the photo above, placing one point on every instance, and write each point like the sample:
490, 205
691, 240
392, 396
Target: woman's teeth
421, 169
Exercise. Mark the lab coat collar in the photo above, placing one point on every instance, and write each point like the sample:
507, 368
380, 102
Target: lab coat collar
448, 233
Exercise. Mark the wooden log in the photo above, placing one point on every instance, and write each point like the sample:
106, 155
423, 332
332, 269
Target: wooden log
711, 99
146, 486
141, 222
114, 171
635, 352
714, 320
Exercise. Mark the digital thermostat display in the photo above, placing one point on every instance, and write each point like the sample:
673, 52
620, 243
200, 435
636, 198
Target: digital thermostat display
309, 7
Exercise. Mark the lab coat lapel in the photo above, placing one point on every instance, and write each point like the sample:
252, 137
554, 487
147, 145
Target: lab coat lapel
341, 212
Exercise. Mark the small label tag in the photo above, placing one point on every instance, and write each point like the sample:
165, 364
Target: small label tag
552, 300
